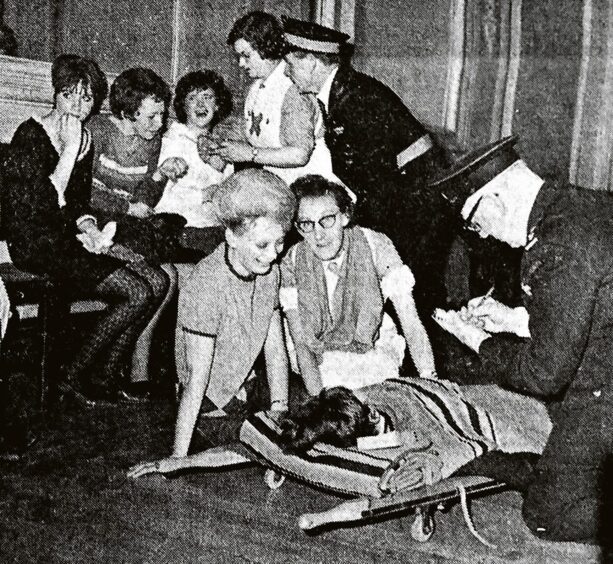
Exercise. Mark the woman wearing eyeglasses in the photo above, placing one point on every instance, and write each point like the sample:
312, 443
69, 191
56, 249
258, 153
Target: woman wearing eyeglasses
335, 283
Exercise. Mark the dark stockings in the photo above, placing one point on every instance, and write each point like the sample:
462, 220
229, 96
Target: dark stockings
134, 293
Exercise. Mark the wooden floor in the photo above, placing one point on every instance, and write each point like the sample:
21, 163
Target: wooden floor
68, 500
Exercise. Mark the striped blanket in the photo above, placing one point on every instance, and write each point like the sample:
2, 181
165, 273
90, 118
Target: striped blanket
438, 427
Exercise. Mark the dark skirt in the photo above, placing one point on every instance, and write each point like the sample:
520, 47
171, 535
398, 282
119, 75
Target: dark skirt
71, 268
157, 238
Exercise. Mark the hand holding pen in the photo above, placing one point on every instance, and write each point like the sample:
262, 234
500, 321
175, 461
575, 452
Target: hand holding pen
495, 317
467, 312
477, 302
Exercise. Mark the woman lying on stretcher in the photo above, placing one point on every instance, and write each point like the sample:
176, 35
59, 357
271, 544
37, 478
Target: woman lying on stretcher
427, 428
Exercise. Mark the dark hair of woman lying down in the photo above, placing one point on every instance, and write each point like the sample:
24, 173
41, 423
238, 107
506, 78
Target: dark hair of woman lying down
336, 416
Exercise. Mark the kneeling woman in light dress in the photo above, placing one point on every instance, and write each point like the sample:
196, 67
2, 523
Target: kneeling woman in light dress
334, 286
229, 313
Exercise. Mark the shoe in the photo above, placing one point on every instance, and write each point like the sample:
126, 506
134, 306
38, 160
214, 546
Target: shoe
89, 395
135, 392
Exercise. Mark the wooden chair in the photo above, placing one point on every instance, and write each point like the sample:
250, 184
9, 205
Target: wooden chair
37, 297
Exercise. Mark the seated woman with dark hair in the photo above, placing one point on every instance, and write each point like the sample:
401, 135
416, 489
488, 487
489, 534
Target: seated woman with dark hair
47, 177
334, 286
229, 314
201, 101
435, 426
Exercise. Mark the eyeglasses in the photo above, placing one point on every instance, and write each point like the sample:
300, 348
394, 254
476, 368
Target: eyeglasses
308, 225
469, 225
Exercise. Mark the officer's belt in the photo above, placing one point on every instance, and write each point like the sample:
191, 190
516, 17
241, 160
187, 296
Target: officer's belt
414, 150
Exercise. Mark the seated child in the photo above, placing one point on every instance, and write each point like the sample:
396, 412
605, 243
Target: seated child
201, 101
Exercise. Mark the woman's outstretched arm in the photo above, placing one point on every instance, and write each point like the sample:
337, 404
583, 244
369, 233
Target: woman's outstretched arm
413, 329
306, 358
277, 368
211, 458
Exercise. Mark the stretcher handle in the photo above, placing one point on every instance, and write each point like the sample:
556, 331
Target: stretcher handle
348, 511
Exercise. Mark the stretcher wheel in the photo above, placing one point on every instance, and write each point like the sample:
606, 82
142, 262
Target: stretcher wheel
273, 479
422, 528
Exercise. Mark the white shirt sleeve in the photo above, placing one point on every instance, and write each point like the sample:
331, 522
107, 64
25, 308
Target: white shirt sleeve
395, 277
398, 282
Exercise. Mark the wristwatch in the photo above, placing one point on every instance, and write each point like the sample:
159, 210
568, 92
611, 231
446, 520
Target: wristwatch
254, 154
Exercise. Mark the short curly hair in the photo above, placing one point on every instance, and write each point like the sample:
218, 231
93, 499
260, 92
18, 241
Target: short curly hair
336, 416
250, 194
203, 80
133, 86
263, 32
67, 71
316, 186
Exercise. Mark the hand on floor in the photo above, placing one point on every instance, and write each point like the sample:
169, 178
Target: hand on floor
162, 466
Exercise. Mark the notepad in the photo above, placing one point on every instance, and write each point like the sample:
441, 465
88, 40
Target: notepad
464, 329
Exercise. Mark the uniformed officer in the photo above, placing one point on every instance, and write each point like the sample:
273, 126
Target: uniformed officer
558, 345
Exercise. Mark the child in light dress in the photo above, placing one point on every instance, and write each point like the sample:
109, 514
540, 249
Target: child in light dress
201, 101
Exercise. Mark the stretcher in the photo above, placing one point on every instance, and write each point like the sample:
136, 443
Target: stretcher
358, 474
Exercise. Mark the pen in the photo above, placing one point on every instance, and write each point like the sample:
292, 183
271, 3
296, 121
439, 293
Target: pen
487, 295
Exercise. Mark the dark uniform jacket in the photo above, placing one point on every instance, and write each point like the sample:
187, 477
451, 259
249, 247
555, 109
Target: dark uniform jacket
567, 279
367, 127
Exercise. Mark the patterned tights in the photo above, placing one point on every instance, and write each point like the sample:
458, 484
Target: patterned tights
134, 293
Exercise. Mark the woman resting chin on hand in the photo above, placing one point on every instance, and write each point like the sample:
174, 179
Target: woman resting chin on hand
53, 231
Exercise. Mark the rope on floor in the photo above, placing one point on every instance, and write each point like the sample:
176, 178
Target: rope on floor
467, 519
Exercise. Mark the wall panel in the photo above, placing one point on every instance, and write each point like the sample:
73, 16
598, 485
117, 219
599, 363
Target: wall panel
33, 22
204, 26
547, 83
119, 33
405, 44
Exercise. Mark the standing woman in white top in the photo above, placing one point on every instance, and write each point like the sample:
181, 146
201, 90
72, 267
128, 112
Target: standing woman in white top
283, 129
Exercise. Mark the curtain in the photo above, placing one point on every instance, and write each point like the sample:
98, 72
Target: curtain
484, 57
591, 163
